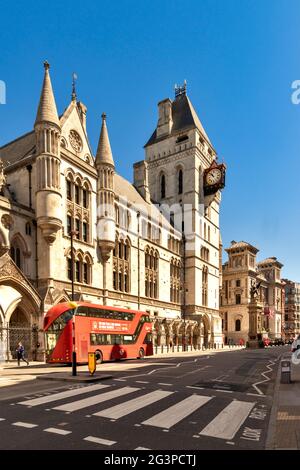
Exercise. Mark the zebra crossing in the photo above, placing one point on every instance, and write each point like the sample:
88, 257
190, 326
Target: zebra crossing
224, 425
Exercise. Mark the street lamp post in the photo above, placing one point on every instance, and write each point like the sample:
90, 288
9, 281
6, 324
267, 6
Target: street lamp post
138, 243
74, 358
184, 291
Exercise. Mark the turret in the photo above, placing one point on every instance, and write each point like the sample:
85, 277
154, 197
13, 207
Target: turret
106, 228
47, 131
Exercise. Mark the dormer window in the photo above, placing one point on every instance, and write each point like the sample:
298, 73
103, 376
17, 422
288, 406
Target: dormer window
181, 138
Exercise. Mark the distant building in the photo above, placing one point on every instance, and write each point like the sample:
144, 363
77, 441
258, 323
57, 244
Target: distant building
292, 309
239, 273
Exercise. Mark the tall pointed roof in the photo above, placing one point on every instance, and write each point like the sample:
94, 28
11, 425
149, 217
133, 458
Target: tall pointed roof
104, 154
47, 111
184, 117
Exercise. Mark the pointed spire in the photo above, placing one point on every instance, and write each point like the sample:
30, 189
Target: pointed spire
47, 111
104, 154
74, 78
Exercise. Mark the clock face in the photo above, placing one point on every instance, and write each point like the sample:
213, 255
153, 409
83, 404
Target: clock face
213, 176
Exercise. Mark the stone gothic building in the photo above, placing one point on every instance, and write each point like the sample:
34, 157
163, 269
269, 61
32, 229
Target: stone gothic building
152, 245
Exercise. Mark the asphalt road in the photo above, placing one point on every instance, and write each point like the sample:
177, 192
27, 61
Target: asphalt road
218, 401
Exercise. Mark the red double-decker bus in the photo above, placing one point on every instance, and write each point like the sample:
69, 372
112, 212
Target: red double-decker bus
112, 333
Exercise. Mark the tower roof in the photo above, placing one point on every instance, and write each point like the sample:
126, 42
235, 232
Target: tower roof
242, 246
104, 154
184, 117
268, 261
47, 111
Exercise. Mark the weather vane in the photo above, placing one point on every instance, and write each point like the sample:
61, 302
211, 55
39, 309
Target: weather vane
74, 78
180, 90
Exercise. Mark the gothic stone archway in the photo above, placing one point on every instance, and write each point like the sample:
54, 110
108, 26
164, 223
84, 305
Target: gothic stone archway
19, 311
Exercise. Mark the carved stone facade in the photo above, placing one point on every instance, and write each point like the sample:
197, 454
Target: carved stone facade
240, 274
125, 244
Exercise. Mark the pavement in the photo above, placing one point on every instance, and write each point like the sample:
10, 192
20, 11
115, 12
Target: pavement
284, 426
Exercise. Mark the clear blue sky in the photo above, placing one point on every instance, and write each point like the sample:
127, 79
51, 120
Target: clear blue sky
239, 58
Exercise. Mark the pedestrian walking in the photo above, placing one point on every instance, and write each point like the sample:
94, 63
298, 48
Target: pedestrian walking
21, 354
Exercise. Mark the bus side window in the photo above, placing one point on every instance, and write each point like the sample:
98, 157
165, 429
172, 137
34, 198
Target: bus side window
117, 339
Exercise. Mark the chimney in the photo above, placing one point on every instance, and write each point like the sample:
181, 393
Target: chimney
140, 179
82, 112
165, 121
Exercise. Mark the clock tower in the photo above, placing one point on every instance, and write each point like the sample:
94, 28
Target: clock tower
185, 180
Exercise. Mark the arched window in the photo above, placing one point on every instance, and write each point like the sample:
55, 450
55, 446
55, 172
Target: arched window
78, 194
151, 273
87, 269
175, 280
180, 182
28, 228
77, 228
15, 254
69, 224
82, 269
237, 325
85, 231
121, 265
204, 285
162, 186
18, 251
78, 271
117, 214
69, 190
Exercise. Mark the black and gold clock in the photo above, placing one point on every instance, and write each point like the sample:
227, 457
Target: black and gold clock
214, 178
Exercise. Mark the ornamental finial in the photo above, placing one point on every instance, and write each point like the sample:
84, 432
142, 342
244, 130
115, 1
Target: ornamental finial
180, 90
74, 78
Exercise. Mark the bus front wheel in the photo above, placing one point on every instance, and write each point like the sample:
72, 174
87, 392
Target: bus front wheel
141, 353
99, 357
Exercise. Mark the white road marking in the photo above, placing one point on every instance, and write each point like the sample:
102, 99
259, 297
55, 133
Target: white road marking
63, 432
141, 382
130, 406
95, 399
227, 423
164, 384
256, 395
62, 395
265, 376
197, 388
121, 380
2, 419
220, 378
221, 390
172, 415
98, 440
24, 425
142, 448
